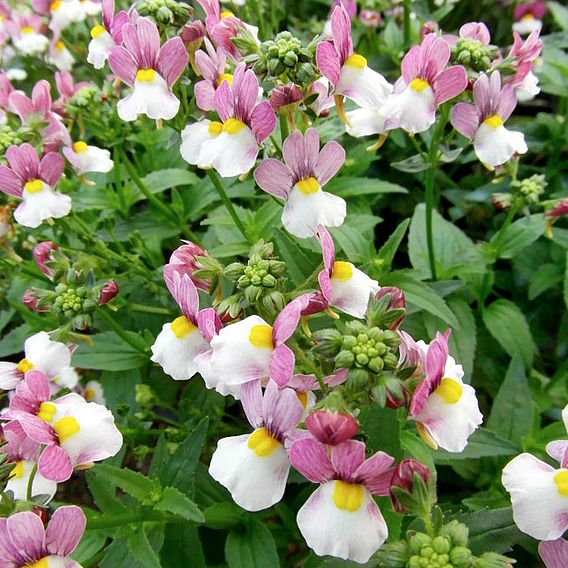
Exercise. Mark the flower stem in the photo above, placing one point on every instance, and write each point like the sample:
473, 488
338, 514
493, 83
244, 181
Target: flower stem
107, 318
406, 23
284, 127
31, 482
216, 181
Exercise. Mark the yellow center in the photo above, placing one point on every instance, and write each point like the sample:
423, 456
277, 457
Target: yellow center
89, 394
145, 75
27, 30
24, 366
418, 84
449, 390
226, 14
66, 427
43, 563
528, 17
79, 147
356, 61
97, 30
182, 326
225, 77
34, 186
55, 5
261, 336
303, 398
494, 121
561, 480
215, 128
262, 443
59, 45
342, 270
308, 186
348, 496
233, 125
426, 437
46, 411
18, 471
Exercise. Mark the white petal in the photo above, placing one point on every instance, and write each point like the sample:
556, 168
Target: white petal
153, 99
62, 59
49, 357
67, 378
235, 359
352, 296
411, 110
495, 146
211, 378
365, 122
452, 370
99, 50
93, 159
37, 207
94, 392
365, 87
68, 12
528, 89
565, 417
304, 212
192, 137
9, 375
539, 510
176, 355
255, 482
525, 27
31, 44
40, 485
344, 534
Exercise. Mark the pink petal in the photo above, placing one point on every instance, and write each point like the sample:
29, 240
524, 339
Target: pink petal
330, 160
450, 83
206, 66
482, 95
554, 553
436, 357
282, 410
327, 247
224, 101
123, 65
120, 20
507, 102
8, 552
41, 97
27, 535
311, 149
262, 121
204, 95
273, 177
21, 104
293, 152
465, 119
410, 65
10, 183
64, 83
149, 42
559, 451
172, 60
65, 529
338, 378
287, 321
245, 93
55, 464
324, 281
341, 30
347, 457
281, 366
24, 161
36, 429
327, 61
375, 474
209, 323
183, 291
476, 30
107, 13
252, 403
132, 44
51, 168
310, 458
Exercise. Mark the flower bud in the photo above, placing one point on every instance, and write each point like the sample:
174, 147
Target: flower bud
559, 210
403, 478
30, 300
397, 302
43, 254
460, 556
192, 35
283, 98
370, 18
428, 27
184, 260
108, 292
332, 427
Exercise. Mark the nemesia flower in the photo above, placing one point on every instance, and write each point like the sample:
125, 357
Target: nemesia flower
251, 349
331, 428
25, 31
484, 122
445, 408
472, 30
559, 210
539, 492
403, 478
342, 285
66, 88
232, 145
341, 518
91, 7
554, 553
285, 98
304, 385
347, 71
524, 56
211, 65
60, 56
24, 452
184, 260
25, 542
6, 89
62, 13
425, 84
76, 433
254, 467
149, 69
32, 181
86, 158
528, 16
107, 35
94, 392
108, 292
52, 358
324, 100
299, 181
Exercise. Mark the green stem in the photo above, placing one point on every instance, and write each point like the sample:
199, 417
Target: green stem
284, 127
500, 235
115, 521
311, 367
406, 24
428, 523
31, 482
216, 181
107, 318
118, 183
150, 310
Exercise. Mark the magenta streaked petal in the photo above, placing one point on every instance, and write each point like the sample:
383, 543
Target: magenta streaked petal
450, 83
282, 410
273, 177
206, 66
24, 161
210, 7
327, 247
64, 83
245, 92
54, 464
281, 366
410, 65
482, 95
65, 529
338, 378
288, 319
21, 104
328, 62
375, 474
252, 403
507, 102
465, 119
262, 121
293, 152
10, 183
204, 96
51, 168
209, 323
341, 30
329, 162
41, 97
558, 450
172, 60
224, 101
123, 65
120, 20
36, 429
149, 42
107, 13
27, 535
554, 553
476, 30
310, 458
347, 457
131, 43
183, 291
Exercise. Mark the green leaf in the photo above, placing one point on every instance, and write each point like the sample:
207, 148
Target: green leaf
356, 186
108, 353
351, 242
104, 494
251, 547
5, 317
382, 427
227, 250
161, 180
178, 504
13, 341
520, 234
566, 282
182, 547
223, 516
131, 482
507, 324
119, 388
545, 277
118, 555
91, 543
386, 253
511, 413
140, 547
298, 265
559, 13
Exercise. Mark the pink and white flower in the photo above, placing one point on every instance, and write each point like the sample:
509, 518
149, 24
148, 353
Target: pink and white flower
528, 17
484, 122
348, 71
62, 13
554, 553
86, 158
232, 145
59, 55
254, 467
26, 34
445, 408
341, 518
184, 260
76, 433
66, 88
299, 181
539, 492
525, 56
24, 541
107, 35
425, 84
211, 65
32, 181
149, 69
342, 285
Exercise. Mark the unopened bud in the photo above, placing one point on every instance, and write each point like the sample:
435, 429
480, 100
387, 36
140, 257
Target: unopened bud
428, 27
283, 98
332, 427
404, 479
43, 254
30, 300
193, 34
108, 292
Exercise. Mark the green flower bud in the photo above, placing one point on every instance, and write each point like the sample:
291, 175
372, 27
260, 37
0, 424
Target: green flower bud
269, 281
418, 541
234, 271
460, 556
376, 364
145, 396
441, 545
344, 359
457, 532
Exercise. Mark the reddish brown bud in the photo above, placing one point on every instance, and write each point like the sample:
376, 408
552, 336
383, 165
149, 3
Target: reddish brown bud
331, 427
428, 28
43, 254
108, 292
397, 301
192, 34
283, 96
403, 478
30, 300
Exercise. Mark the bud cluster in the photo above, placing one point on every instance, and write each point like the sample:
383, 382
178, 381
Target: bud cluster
87, 97
13, 137
164, 11
524, 193
473, 54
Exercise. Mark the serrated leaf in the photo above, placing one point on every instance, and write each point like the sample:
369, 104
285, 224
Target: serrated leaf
520, 234
178, 504
131, 482
13, 341
251, 547
108, 353
104, 494
182, 547
140, 547
223, 516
